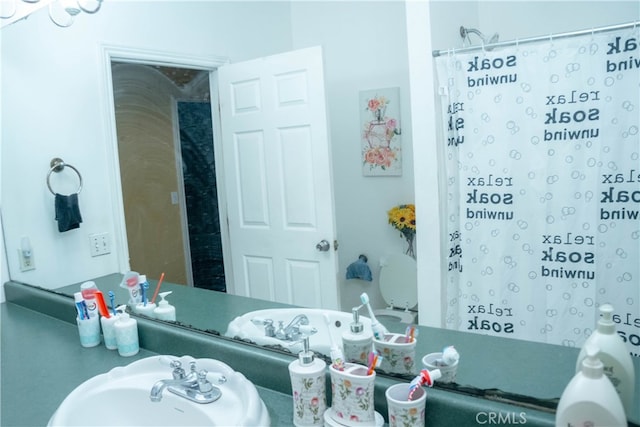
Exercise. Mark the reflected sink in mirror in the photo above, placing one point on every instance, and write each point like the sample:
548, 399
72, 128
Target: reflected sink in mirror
253, 326
122, 397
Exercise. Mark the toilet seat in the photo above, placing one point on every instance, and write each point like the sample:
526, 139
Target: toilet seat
399, 286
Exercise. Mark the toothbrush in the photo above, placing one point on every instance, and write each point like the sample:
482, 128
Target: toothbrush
102, 306
410, 333
337, 358
378, 328
155, 294
143, 288
374, 361
425, 377
112, 298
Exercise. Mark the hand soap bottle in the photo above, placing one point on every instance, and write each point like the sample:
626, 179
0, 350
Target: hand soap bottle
308, 387
590, 399
356, 342
126, 333
164, 310
615, 357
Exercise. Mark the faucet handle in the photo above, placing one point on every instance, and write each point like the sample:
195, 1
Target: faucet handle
203, 384
306, 330
178, 371
269, 329
259, 321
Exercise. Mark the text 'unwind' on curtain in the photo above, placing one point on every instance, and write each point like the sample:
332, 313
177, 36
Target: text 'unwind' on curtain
542, 159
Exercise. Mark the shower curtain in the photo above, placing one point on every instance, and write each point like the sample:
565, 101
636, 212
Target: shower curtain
542, 160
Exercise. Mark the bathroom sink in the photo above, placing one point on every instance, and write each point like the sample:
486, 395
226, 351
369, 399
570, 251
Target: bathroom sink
121, 397
248, 327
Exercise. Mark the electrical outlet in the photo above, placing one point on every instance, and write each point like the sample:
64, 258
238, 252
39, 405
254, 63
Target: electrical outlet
26, 262
99, 244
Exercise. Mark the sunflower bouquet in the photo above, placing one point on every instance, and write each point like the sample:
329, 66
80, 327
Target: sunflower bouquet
403, 219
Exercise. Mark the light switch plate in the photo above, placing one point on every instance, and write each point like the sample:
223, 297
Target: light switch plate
99, 244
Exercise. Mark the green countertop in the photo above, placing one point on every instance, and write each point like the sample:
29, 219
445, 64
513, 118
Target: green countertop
498, 368
42, 361
212, 311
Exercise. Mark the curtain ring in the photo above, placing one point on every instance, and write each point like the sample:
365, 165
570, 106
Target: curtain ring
58, 165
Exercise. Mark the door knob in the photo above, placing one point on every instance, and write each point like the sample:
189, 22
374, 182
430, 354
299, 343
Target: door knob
323, 246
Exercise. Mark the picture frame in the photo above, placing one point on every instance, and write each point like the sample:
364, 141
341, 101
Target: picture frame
381, 135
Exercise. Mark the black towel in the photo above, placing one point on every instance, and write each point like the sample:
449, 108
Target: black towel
67, 212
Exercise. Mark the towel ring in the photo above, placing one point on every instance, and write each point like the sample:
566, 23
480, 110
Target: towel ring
58, 165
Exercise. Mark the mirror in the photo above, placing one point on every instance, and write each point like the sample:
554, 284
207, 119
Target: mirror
37, 60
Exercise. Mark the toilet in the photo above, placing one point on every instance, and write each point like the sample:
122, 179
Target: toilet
399, 287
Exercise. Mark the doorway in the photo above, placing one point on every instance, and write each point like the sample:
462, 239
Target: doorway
274, 179
167, 170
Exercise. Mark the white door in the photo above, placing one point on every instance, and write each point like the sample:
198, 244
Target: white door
277, 170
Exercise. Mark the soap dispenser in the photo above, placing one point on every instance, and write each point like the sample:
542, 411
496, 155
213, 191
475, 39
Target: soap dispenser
164, 310
126, 333
590, 398
308, 386
615, 357
356, 342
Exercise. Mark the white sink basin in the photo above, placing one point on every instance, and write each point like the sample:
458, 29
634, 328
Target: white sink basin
121, 397
339, 321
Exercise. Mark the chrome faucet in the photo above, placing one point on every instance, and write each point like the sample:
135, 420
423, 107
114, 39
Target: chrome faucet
291, 332
193, 386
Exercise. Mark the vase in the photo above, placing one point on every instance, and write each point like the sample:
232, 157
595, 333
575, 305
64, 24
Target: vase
411, 251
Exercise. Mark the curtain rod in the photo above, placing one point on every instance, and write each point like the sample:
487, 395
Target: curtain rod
634, 24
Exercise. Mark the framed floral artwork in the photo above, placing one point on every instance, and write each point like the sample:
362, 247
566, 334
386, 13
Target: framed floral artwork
380, 132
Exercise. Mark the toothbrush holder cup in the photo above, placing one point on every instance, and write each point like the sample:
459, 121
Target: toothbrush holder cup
434, 361
401, 410
89, 331
109, 332
398, 355
352, 395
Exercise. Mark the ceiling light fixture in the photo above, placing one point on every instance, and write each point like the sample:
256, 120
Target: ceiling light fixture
61, 12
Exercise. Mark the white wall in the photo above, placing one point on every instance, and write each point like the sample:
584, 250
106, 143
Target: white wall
365, 47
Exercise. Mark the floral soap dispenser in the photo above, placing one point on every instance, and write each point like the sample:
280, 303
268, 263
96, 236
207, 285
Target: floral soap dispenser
308, 385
